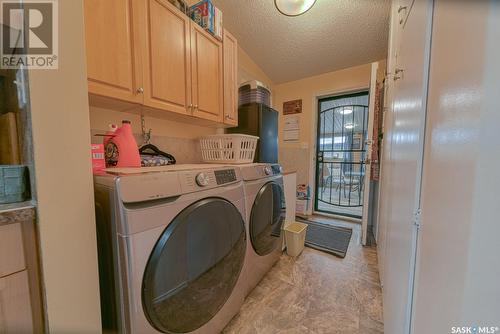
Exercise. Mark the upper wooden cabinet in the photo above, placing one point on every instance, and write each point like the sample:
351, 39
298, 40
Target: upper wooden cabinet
113, 63
148, 52
207, 75
230, 47
166, 54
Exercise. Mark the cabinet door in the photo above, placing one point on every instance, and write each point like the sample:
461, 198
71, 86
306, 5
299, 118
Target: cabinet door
207, 75
230, 47
15, 305
113, 65
166, 54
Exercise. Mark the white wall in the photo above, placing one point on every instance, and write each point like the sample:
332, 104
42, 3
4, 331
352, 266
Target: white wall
61, 137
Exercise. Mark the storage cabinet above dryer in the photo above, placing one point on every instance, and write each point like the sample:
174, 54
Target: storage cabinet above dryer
149, 53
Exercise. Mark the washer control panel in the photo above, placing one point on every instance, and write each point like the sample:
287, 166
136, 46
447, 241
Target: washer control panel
202, 179
225, 176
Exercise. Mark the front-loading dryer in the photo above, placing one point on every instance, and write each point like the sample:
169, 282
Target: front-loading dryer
172, 245
265, 214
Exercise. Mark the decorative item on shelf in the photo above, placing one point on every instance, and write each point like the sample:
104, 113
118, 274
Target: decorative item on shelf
209, 17
293, 7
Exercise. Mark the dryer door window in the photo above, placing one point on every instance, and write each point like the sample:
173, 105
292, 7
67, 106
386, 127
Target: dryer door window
268, 214
194, 266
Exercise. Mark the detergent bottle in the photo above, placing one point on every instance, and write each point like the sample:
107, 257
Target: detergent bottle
121, 149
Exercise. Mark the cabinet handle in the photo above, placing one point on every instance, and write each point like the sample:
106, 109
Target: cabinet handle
195, 107
401, 8
140, 90
229, 117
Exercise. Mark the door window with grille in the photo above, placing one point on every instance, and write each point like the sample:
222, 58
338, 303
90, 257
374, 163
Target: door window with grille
341, 153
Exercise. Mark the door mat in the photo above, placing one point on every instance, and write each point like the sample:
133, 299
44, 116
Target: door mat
327, 238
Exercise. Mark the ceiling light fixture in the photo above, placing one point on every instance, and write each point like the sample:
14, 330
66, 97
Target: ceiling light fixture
349, 126
293, 7
345, 111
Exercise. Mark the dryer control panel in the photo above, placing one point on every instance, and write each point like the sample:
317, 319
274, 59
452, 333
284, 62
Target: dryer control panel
225, 176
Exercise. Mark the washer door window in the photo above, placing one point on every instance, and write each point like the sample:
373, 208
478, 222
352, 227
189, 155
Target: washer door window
194, 266
268, 214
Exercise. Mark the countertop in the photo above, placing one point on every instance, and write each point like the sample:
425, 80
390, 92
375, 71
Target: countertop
15, 215
16, 206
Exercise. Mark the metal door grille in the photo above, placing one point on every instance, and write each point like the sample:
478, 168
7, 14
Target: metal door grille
341, 152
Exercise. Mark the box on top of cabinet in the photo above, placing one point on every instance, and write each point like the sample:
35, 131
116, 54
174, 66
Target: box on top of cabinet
209, 17
203, 14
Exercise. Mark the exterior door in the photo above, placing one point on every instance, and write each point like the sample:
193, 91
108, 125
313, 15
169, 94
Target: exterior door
266, 219
207, 75
194, 266
113, 63
341, 153
166, 54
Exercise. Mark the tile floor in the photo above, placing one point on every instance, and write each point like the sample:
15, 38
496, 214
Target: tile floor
317, 293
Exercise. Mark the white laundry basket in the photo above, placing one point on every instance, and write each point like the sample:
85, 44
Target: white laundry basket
230, 148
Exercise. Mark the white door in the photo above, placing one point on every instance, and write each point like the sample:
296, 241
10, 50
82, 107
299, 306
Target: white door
368, 147
403, 184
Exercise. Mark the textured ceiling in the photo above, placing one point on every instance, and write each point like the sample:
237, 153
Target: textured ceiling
333, 35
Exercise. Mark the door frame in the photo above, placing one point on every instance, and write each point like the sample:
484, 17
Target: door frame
316, 164
369, 145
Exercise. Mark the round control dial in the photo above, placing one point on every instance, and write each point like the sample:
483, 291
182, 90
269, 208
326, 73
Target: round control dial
202, 180
268, 170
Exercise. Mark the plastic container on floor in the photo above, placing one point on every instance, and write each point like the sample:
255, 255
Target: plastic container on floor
295, 238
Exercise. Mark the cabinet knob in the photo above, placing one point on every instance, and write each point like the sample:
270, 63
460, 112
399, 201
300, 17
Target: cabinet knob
195, 107
140, 90
229, 117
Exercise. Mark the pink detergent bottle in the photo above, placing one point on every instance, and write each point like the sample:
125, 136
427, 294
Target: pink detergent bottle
121, 149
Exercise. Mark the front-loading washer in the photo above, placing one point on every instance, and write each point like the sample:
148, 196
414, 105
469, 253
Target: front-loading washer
171, 246
265, 214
